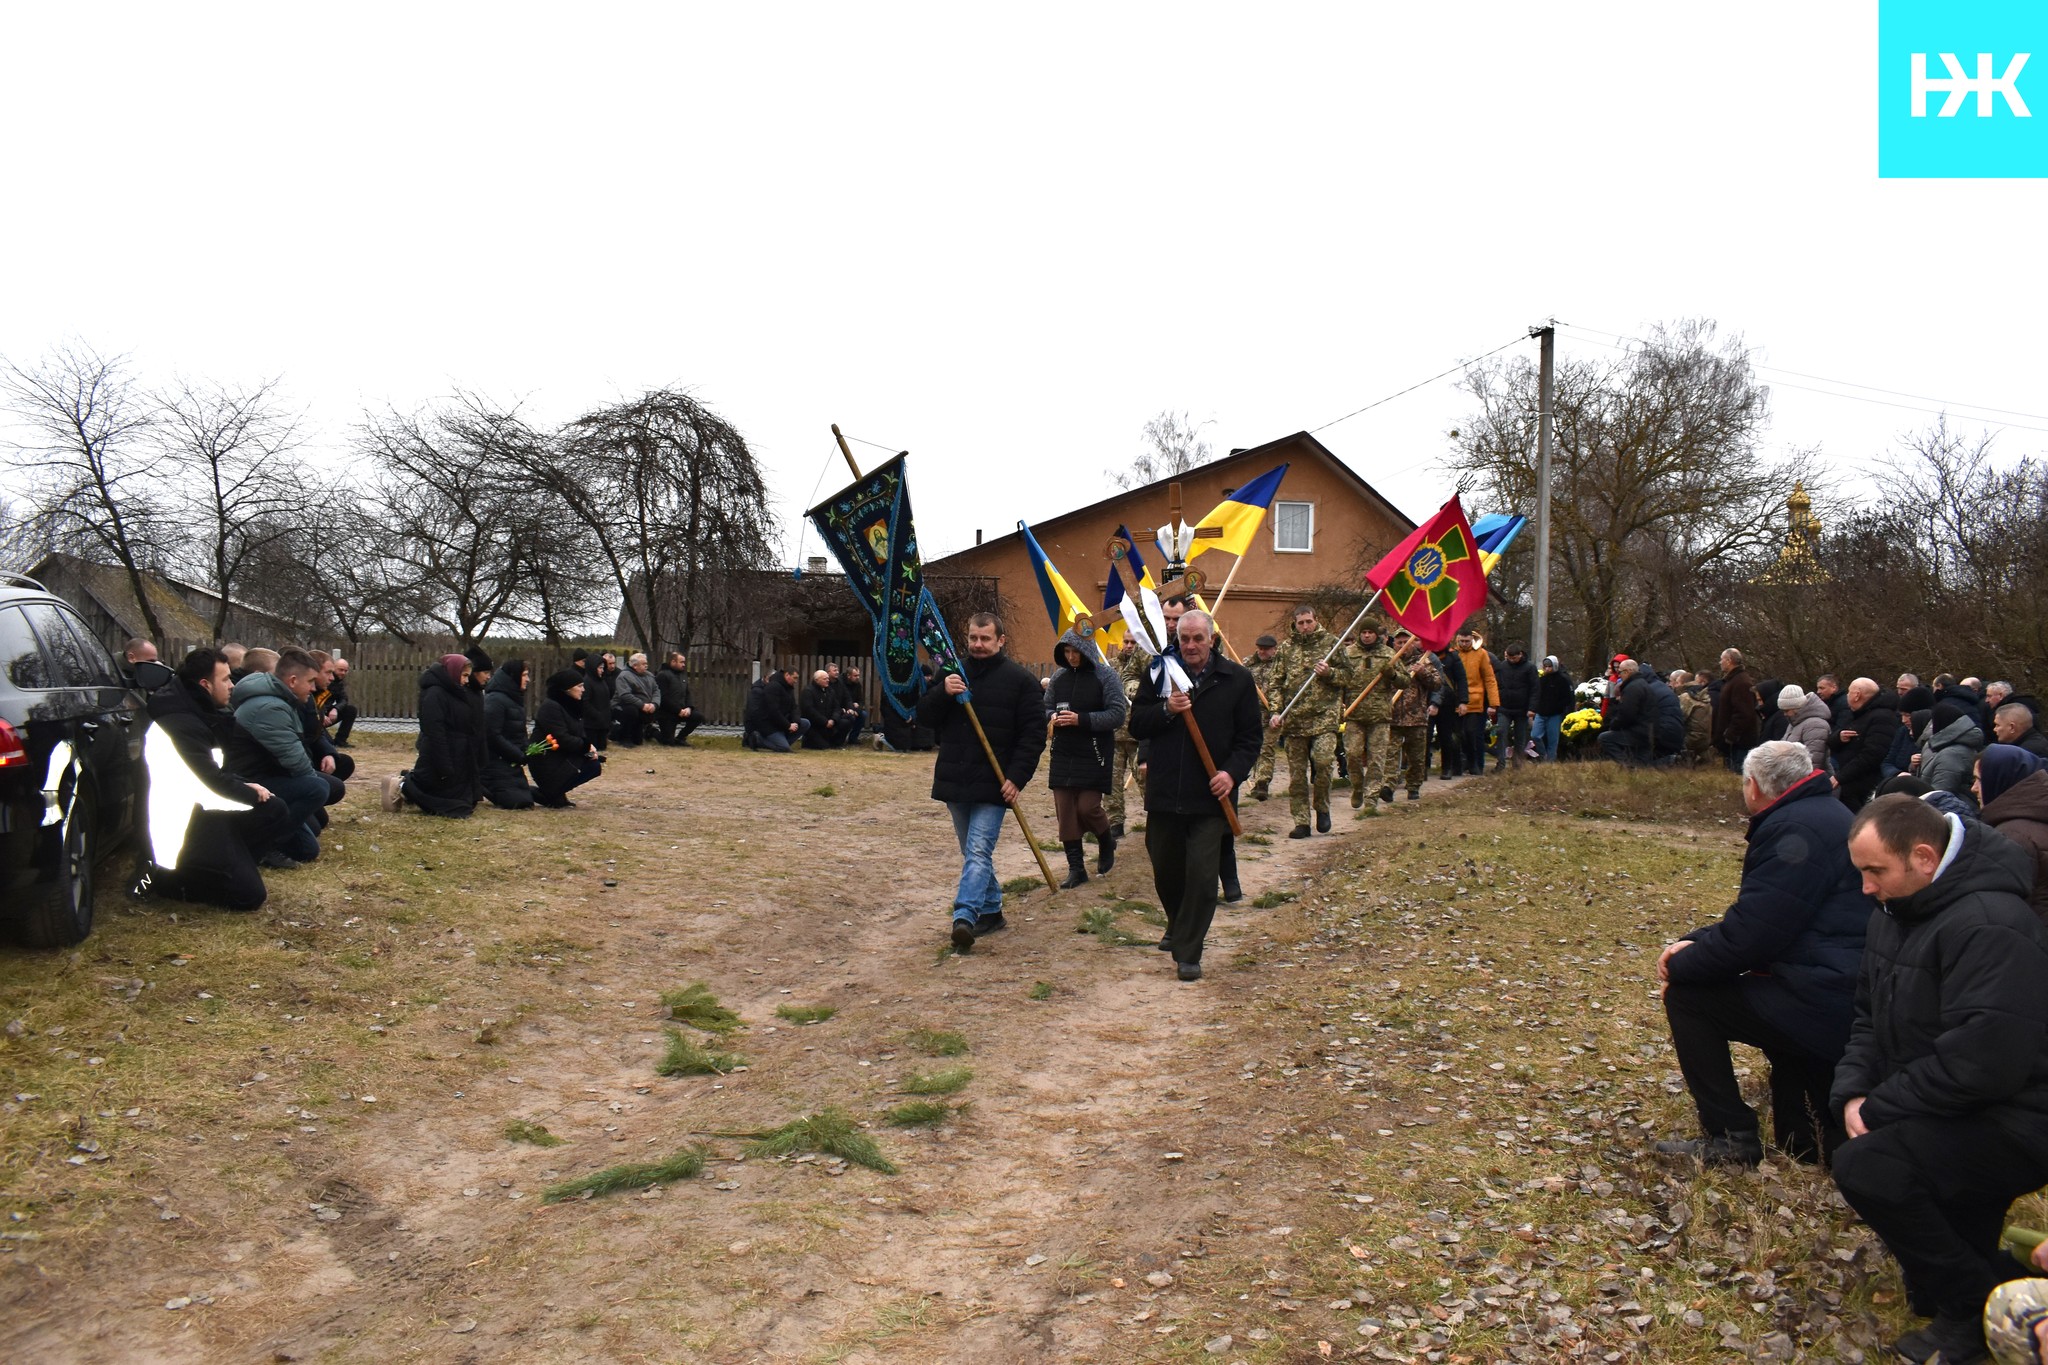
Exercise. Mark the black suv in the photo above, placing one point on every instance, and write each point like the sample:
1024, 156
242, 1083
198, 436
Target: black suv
71, 774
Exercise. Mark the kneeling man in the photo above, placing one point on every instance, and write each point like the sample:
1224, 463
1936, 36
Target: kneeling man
1777, 972
1944, 1088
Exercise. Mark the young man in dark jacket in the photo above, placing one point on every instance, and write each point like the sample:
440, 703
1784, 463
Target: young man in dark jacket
1944, 1087
1859, 744
1517, 678
1777, 972
771, 721
1450, 732
1184, 824
1010, 704
1553, 704
678, 715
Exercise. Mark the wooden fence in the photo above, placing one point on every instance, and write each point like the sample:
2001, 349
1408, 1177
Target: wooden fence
384, 675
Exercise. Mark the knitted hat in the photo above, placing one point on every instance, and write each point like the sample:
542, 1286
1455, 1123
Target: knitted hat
1948, 713
478, 660
1266, 642
1790, 697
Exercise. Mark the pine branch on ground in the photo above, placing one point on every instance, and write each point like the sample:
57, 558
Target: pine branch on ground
684, 1165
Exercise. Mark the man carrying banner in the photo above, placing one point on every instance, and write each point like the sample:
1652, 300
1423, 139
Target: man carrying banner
1011, 704
1368, 741
1184, 825
1309, 726
1260, 666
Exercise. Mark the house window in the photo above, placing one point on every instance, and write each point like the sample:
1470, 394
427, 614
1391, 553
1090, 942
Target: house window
1294, 527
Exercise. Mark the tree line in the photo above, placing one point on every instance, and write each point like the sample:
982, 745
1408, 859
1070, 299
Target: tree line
462, 518
1669, 525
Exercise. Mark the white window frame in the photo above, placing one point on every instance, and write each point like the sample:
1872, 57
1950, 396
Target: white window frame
1280, 549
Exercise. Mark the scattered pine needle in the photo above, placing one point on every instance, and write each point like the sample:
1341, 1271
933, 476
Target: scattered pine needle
519, 1130
1273, 898
944, 1081
684, 1165
1100, 921
938, 1042
805, 1014
1040, 990
1018, 886
829, 1133
919, 1114
685, 1058
696, 1006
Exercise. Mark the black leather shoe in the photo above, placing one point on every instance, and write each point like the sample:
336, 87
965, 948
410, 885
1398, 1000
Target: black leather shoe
1298, 832
1956, 1341
1322, 822
1232, 893
1726, 1149
963, 935
994, 924
1165, 943
1190, 971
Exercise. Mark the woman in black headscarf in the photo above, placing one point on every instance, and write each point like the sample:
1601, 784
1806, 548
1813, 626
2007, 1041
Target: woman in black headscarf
504, 769
569, 760
444, 780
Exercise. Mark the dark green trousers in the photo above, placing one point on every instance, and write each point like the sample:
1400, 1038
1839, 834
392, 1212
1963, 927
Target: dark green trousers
1185, 851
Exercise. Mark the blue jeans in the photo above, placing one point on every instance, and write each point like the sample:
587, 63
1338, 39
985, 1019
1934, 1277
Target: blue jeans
1545, 730
302, 795
777, 741
977, 827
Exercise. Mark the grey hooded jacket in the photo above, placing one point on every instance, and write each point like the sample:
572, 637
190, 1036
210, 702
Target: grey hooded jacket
1948, 760
1810, 725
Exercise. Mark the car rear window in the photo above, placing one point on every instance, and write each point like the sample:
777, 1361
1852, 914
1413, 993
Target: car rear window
20, 655
70, 665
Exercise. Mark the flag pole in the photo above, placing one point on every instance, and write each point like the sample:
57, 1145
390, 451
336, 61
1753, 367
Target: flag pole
1044, 868
1122, 567
1369, 605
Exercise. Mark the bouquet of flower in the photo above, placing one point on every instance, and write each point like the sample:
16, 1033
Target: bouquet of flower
546, 744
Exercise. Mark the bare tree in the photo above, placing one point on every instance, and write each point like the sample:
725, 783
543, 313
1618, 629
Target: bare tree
1659, 479
1173, 446
86, 464
668, 495
240, 488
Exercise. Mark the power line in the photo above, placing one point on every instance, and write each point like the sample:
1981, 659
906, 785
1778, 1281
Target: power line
1461, 365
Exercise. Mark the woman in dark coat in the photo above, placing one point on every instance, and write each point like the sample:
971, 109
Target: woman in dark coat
598, 672
1088, 707
2013, 785
570, 761
504, 764
444, 780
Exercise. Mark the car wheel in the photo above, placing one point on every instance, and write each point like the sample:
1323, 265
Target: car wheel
60, 914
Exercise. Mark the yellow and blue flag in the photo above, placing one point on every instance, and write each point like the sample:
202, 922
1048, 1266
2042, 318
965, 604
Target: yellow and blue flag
1492, 534
1143, 621
1062, 603
1234, 521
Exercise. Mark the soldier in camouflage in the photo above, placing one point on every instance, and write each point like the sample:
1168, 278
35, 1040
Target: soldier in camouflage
1409, 715
1130, 667
1309, 729
1369, 742
1261, 666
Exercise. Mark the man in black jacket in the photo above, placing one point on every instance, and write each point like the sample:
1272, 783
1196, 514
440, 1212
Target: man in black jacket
1944, 1087
1625, 737
1184, 824
771, 721
1517, 679
1010, 704
207, 827
825, 728
1860, 743
1777, 972
677, 716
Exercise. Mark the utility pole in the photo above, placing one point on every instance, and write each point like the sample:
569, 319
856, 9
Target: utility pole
1539, 630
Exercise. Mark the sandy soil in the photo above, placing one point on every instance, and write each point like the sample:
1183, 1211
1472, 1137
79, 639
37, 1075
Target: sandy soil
1108, 1131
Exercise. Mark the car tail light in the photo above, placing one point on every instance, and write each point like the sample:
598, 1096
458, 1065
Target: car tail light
12, 753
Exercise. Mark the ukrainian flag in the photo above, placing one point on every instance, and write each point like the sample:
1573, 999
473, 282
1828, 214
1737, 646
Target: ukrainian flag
1143, 621
1236, 519
1492, 534
1062, 604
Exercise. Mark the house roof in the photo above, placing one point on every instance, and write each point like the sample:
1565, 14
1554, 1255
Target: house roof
1256, 459
108, 586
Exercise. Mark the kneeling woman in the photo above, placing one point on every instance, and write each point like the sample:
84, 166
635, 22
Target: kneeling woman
444, 780
569, 760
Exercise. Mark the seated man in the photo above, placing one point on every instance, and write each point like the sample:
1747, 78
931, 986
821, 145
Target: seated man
635, 699
824, 722
1777, 972
678, 715
1944, 1087
771, 720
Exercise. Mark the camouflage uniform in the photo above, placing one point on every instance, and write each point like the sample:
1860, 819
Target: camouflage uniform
1269, 744
1369, 743
1310, 731
1130, 667
1409, 718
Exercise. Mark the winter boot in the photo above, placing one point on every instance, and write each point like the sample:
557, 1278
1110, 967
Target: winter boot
1106, 858
1077, 865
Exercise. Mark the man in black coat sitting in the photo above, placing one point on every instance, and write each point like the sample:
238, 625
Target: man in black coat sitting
1777, 972
1944, 1087
1184, 824
1859, 744
1010, 703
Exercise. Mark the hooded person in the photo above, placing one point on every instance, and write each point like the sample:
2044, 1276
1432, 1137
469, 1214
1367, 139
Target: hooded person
503, 774
443, 779
600, 672
2012, 784
1809, 720
1949, 747
1088, 707
568, 759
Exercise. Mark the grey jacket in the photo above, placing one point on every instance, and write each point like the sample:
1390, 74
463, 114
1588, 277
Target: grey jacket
268, 712
634, 690
1810, 725
1948, 759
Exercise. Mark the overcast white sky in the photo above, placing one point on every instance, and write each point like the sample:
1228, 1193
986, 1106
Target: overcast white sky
999, 237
